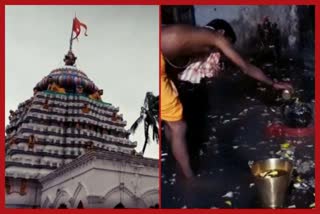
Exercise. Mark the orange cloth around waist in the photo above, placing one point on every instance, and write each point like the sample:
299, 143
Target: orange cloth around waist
171, 107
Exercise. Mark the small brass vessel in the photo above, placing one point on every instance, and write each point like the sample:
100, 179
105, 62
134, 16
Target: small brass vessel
272, 190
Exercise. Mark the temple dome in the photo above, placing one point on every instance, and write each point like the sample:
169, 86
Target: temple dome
68, 77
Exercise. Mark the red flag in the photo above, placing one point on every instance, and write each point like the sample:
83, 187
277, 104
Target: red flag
76, 27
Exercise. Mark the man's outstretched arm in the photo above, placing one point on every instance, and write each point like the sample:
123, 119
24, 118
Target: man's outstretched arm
246, 67
183, 40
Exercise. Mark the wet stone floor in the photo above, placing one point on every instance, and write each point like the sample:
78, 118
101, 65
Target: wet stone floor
227, 118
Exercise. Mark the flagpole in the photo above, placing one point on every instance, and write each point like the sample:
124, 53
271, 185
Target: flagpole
70, 47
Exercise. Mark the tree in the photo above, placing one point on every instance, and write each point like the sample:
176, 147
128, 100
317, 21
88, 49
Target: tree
149, 115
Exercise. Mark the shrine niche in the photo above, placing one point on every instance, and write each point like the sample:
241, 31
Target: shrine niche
31, 142
46, 104
79, 89
13, 142
268, 40
8, 186
89, 146
96, 95
23, 187
114, 116
85, 108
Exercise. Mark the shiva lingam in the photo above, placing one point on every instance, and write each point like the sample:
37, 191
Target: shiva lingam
296, 114
296, 117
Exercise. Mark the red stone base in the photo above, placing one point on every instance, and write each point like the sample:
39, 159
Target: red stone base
278, 130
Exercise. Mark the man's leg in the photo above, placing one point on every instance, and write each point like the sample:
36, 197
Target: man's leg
177, 139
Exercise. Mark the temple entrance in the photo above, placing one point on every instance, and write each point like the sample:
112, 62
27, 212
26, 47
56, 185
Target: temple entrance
155, 206
62, 206
80, 205
119, 206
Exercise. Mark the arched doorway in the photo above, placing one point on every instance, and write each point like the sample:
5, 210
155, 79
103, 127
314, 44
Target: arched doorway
156, 206
119, 206
80, 205
62, 206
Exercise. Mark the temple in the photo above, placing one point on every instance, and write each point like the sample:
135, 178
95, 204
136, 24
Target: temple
67, 148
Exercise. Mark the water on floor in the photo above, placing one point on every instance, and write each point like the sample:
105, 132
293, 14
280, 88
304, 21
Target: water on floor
227, 118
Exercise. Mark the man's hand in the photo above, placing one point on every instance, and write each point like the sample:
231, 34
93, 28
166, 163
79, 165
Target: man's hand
282, 86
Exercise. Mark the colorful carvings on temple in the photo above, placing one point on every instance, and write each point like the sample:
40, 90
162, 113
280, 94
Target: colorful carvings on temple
64, 119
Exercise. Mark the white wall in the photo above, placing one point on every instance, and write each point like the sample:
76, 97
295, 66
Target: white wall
103, 183
244, 20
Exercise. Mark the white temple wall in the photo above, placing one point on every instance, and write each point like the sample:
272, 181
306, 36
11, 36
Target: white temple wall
22, 172
103, 183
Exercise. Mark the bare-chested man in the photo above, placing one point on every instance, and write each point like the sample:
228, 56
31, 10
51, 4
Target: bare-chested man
179, 43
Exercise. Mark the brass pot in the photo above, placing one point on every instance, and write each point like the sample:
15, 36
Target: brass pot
272, 190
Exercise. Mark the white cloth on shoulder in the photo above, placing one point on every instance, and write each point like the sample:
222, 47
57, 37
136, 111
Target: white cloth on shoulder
205, 67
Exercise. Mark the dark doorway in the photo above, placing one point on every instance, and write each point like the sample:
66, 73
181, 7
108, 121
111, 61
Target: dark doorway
62, 206
156, 206
80, 205
119, 206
